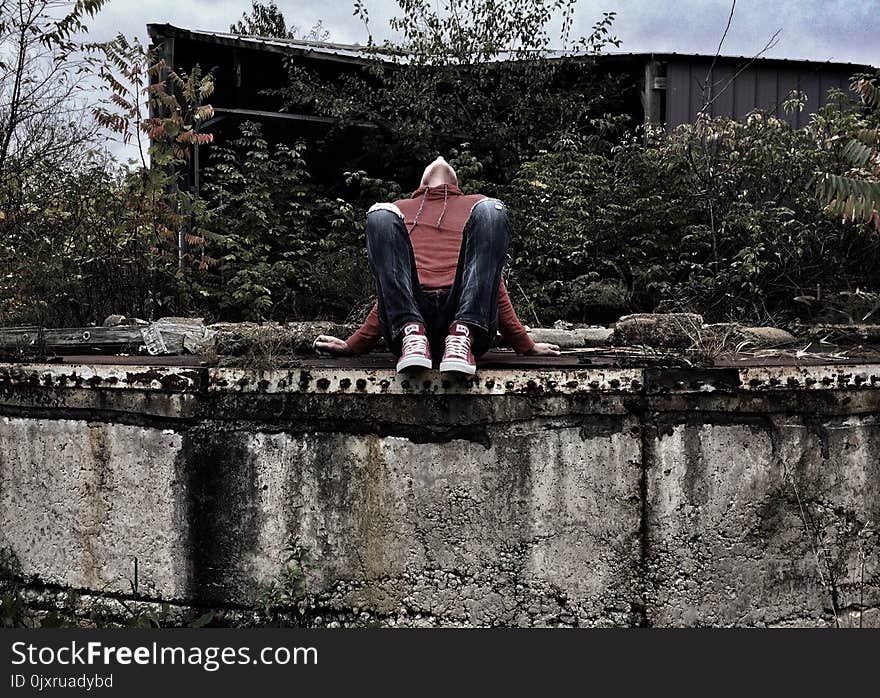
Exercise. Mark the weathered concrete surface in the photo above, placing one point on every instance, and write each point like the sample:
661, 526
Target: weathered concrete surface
766, 520
80, 500
573, 338
731, 335
643, 497
687, 331
482, 538
667, 330
263, 340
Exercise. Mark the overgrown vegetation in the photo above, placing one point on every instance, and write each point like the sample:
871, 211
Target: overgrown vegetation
82, 236
855, 194
283, 240
475, 71
720, 217
285, 600
265, 19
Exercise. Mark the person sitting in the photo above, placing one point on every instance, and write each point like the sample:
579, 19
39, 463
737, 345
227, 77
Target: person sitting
437, 258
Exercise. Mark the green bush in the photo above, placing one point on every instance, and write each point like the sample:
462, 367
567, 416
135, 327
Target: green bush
79, 248
280, 247
719, 217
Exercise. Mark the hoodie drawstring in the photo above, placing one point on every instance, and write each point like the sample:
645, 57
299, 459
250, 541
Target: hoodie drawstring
419, 212
422, 206
445, 202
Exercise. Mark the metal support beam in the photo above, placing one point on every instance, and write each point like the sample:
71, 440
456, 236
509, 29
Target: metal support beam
257, 113
650, 94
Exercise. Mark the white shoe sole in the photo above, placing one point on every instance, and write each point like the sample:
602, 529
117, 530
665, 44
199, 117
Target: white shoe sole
413, 363
456, 366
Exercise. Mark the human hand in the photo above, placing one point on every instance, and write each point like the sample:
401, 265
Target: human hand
543, 349
327, 344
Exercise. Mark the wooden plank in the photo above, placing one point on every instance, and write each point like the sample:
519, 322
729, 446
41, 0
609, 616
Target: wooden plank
114, 360
70, 336
767, 93
679, 93
724, 89
789, 79
165, 336
569, 359
23, 335
809, 83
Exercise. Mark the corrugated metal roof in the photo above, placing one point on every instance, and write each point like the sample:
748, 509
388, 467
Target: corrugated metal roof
660, 55
358, 53
348, 52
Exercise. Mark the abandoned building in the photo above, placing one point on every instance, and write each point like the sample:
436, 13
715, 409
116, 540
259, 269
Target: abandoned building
664, 88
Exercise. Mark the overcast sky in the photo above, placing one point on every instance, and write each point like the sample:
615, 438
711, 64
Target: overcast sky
836, 30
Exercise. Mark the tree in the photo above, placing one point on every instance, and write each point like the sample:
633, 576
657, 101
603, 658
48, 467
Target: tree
478, 71
717, 217
46, 137
265, 19
178, 102
855, 194
42, 74
268, 21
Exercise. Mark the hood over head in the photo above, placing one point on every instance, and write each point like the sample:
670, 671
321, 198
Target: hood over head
439, 172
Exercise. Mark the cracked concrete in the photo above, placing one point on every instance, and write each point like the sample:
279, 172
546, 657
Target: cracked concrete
663, 504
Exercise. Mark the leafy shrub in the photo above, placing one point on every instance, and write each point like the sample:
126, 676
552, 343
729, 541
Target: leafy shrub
284, 249
78, 249
854, 192
719, 217
486, 74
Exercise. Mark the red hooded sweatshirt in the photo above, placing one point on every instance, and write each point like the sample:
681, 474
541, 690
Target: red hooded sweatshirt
436, 217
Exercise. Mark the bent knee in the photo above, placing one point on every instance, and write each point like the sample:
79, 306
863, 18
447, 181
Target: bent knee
490, 215
384, 219
492, 208
391, 208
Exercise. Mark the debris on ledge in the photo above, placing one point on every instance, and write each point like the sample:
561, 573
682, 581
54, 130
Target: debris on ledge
668, 331
118, 335
675, 339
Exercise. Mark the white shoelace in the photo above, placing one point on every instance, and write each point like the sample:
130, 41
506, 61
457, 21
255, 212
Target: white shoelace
458, 346
416, 343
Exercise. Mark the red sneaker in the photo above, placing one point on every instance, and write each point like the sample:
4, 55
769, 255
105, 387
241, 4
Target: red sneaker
415, 354
457, 355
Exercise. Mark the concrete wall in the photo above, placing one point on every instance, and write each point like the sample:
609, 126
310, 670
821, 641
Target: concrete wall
593, 497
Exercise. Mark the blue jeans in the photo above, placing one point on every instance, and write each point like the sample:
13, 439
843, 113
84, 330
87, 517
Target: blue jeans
473, 298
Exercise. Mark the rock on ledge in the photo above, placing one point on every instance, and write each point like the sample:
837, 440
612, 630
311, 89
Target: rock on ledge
668, 330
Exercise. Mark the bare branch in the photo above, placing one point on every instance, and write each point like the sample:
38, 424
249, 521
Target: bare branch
718, 50
771, 42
